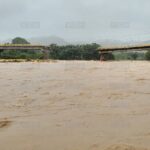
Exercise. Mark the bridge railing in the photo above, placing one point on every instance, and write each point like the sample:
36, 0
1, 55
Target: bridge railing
20, 45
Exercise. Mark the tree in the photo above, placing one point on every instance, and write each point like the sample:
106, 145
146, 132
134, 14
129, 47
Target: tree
134, 56
147, 55
75, 52
19, 40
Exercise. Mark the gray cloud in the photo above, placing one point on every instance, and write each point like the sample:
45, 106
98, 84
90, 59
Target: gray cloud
76, 19
9, 8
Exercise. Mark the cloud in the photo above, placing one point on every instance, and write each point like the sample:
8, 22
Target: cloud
76, 19
9, 8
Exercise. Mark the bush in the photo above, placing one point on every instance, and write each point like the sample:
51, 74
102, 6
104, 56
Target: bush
75, 52
24, 54
19, 40
129, 55
147, 55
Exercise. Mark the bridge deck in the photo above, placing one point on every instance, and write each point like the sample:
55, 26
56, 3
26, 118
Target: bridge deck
137, 48
21, 47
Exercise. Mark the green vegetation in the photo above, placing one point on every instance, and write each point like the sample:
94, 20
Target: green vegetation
147, 55
19, 40
70, 52
129, 55
24, 54
75, 52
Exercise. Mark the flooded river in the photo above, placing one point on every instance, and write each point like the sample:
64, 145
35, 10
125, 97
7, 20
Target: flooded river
75, 105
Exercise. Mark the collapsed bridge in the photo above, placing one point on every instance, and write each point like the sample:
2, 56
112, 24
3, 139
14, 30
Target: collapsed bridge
104, 51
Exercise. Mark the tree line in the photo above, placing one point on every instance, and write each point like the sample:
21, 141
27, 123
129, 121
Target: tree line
70, 52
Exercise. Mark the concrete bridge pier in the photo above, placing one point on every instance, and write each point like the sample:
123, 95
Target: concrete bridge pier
46, 54
103, 56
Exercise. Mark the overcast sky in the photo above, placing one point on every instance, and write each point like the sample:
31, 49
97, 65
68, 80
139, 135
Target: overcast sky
76, 20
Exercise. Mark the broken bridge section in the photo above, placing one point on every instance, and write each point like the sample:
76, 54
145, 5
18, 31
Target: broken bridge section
105, 51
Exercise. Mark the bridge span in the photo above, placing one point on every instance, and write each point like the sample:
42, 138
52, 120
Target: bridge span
44, 49
105, 50
22, 47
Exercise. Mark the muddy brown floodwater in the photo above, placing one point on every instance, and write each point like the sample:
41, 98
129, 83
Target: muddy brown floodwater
75, 105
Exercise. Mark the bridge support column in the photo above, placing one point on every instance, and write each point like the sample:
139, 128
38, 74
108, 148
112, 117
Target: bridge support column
46, 54
103, 56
